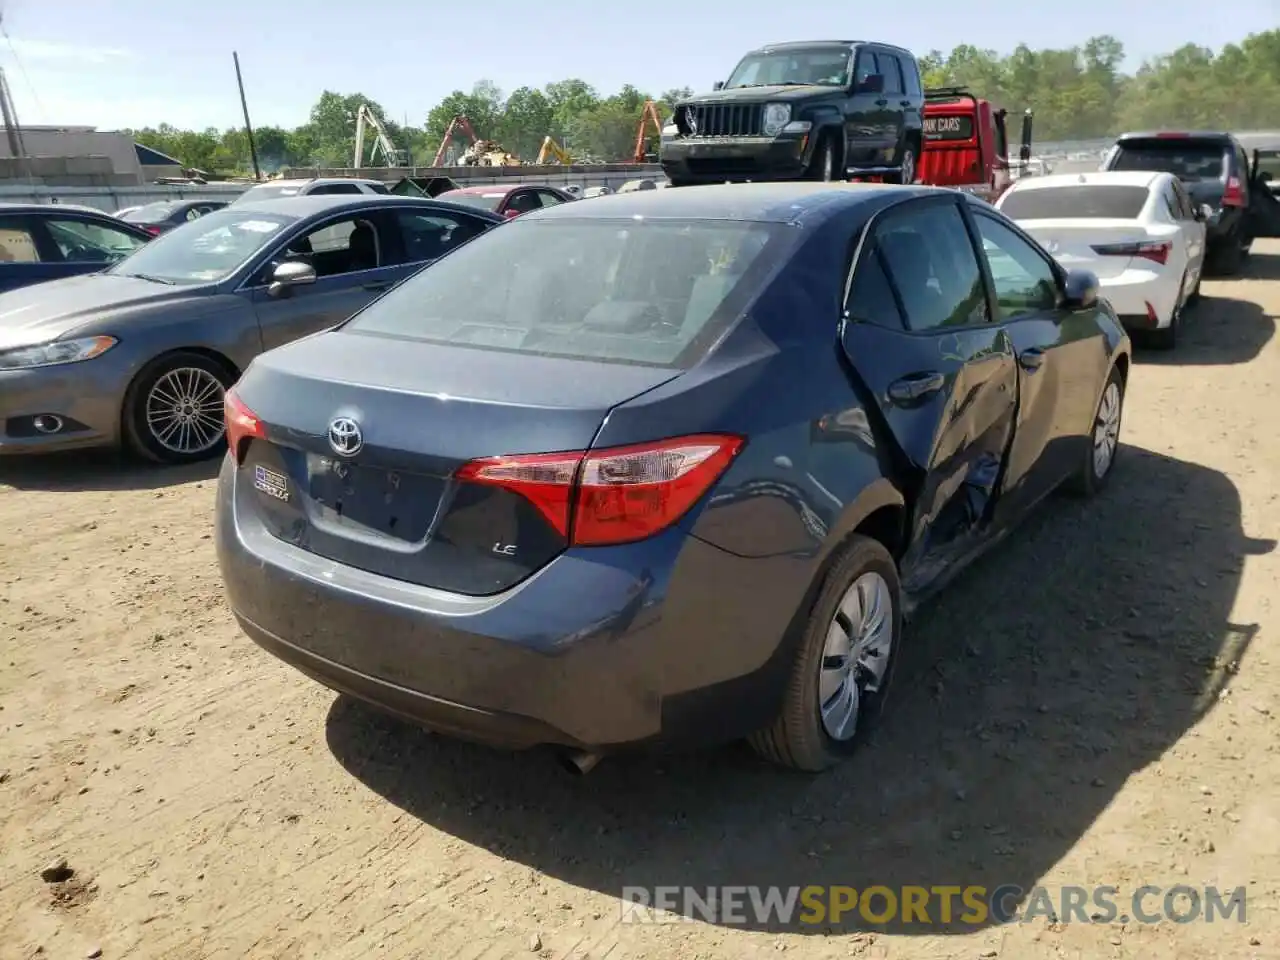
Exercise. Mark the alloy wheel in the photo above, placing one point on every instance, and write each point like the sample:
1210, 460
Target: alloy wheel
855, 657
1106, 430
184, 411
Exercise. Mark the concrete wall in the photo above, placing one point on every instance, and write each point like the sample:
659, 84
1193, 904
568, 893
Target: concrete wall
78, 146
111, 199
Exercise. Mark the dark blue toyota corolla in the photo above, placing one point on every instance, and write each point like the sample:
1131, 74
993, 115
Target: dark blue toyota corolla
667, 467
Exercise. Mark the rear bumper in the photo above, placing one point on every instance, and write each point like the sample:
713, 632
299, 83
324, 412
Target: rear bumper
735, 158
1130, 293
598, 650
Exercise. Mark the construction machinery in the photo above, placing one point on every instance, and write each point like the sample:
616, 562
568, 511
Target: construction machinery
481, 153
367, 120
552, 150
648, 115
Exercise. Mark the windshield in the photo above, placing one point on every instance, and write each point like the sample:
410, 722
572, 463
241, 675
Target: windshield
484, 201
821, 66
269, 191
641, 292
1098, 201
1185, 159
205, 250
151, 213
85, 241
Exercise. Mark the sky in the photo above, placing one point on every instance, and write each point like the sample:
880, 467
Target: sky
136, 63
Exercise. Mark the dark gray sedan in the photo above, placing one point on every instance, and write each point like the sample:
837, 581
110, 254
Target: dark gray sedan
142, 353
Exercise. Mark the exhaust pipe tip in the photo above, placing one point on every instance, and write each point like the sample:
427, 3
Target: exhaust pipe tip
579, 762
47, 423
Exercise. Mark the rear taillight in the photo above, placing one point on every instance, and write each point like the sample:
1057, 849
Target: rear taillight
1155, 252
153, 229
242, 425
1233, 195
615, 495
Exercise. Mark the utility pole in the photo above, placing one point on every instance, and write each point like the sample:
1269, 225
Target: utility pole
12, 132
248, 127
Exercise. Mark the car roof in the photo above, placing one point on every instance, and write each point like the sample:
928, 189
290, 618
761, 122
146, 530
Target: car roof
495, 189
1118, 178
784, 202
1219, 136
20, 207
309, 205
305, 181
804, 44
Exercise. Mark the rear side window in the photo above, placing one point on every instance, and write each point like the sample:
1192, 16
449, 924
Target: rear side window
1086, 201
16, 243
933, 267
871, 298
910, 76
1185, 159
643, 292
892, 75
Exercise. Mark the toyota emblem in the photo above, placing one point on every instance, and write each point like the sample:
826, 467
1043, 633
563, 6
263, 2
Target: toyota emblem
345, 437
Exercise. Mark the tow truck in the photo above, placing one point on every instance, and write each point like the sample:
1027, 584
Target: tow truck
966, 145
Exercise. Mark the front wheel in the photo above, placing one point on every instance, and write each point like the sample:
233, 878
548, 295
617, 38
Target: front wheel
1099, 459
836, 692
173, 410
824, 164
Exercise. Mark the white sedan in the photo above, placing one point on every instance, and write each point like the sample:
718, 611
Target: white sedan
1139, 232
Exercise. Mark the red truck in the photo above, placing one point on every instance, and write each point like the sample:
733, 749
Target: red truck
966, 145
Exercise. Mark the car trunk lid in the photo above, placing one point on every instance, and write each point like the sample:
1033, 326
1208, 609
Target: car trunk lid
365, 434
1075, 243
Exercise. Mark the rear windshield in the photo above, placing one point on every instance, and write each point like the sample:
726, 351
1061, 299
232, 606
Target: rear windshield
1185, 159
151, 213
1086, 201
484, 201
268, 192
638, 292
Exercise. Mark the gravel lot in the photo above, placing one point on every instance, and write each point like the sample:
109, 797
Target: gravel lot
1096, 703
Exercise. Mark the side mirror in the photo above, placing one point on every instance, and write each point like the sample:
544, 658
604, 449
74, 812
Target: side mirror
873, 83
511, 214
1204, 213
719, 85
290, 274
1080, 290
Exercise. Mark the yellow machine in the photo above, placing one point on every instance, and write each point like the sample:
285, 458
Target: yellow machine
552, 151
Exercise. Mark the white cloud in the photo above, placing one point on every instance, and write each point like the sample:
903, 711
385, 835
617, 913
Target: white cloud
46, 50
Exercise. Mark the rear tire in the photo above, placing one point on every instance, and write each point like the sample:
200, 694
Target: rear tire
1166, 338
865, 577
1092, 474
906, 165
191, 381
824, 166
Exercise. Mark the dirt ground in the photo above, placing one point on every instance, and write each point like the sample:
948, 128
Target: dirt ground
1097, 702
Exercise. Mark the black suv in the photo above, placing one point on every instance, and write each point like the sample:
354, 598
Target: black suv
818, 109
1216, 171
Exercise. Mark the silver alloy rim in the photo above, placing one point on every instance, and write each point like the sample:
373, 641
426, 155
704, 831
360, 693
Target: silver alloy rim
908, 167
856, 654
1106, 431
184, 410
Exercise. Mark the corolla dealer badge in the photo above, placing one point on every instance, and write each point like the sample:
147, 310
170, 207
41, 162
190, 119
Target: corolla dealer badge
273, 484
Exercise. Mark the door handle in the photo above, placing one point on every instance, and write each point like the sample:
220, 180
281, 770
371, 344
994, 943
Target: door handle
1031, 359
882, 103
904, 103
913, 388
379, 285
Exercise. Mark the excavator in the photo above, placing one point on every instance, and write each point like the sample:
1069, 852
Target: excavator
648, 116
367, 120
552, 151
481, 153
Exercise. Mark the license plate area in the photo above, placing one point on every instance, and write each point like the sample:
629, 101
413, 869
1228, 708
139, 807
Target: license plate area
391, 503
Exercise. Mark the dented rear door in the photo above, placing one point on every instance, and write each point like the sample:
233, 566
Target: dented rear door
919, 334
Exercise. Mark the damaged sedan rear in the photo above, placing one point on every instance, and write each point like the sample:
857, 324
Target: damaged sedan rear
666, 468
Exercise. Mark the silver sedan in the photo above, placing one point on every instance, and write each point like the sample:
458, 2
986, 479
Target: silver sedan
141, 354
